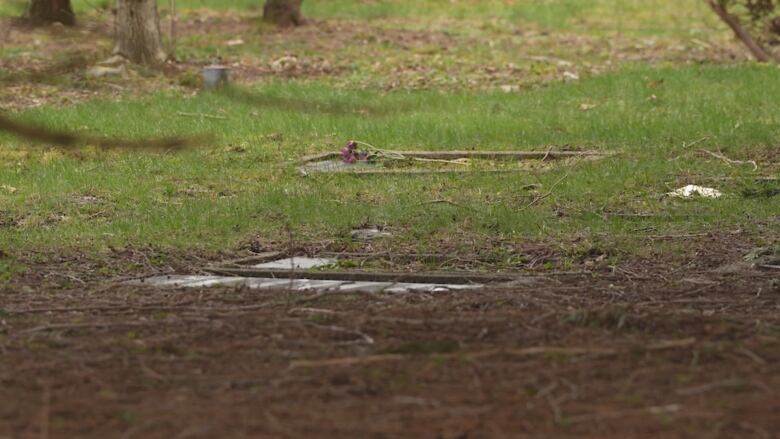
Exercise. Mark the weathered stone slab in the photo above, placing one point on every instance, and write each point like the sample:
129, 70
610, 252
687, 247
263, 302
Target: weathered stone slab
190, 281
297, 263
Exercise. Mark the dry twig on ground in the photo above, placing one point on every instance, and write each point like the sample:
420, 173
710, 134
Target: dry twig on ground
729, 161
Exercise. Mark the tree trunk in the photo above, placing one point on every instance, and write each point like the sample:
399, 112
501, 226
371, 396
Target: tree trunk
51, 11
138, 31
733, 22
283, 13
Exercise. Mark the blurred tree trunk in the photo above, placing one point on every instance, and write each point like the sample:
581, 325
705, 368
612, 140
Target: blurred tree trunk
284, 13
740, 32
138, 31
51, 11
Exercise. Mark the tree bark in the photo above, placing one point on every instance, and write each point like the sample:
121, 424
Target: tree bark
51, 11
138, 31
283, 13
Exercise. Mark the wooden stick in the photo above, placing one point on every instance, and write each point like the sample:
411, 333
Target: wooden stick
709, 386
545, 195
201, 115
671, 344
65, 326
532, 351
348, 361
731, 161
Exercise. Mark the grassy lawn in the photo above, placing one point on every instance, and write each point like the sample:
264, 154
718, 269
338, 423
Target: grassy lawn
438, 89
244, 183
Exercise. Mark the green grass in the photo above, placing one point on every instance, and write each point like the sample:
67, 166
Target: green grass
244, 184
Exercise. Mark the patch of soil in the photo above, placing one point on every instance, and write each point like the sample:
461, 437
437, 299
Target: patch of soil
660, 347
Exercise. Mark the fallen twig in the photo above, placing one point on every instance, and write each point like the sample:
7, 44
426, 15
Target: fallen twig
556, 409
731, 161
137, 308
547, 154
148, 371
547, 350
66, 326
671, 344
312, 311
752, 355
655, 410
365, 337
681, 236
545, 195
532, 351
348, 361
201, 115
709, 386
688, 145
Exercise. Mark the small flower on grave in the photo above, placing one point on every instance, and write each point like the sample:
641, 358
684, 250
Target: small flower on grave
350, 153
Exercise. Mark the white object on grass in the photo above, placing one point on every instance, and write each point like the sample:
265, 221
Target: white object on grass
297, 263
692, 190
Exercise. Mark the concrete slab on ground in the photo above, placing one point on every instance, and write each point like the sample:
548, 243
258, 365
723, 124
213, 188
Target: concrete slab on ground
191, 281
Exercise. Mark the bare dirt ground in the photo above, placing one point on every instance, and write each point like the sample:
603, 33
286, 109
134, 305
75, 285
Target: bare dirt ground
648, 348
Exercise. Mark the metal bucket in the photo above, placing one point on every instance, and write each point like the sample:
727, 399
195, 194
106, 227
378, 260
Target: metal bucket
215, 76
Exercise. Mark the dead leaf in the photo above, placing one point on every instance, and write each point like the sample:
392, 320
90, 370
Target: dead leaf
9, 189
585, 106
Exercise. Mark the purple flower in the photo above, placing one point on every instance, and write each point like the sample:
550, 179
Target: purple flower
349, 153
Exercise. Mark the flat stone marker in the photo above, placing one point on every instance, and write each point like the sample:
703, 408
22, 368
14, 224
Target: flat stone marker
335, 166
297, 263
259, 283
